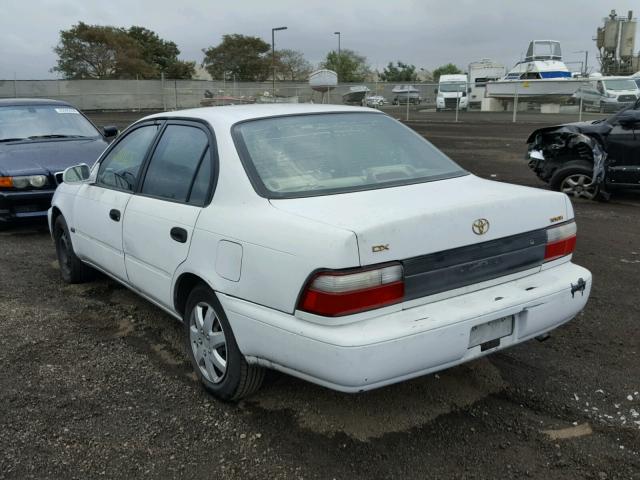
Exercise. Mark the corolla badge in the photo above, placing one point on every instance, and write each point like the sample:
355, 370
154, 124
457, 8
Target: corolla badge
480, 226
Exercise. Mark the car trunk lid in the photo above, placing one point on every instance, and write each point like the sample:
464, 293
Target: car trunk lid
430, 226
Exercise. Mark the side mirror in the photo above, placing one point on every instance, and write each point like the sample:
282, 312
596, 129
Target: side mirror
110, 131
76, 174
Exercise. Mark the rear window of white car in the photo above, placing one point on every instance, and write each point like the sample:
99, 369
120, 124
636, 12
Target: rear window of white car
318, 154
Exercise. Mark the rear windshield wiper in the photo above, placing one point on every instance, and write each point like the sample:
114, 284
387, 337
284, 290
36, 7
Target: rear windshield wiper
11, 139
55, 135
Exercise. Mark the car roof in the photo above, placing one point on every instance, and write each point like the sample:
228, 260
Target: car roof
17, 102
232, 114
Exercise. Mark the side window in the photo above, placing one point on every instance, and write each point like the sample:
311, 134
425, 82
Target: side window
121, 166
175, 162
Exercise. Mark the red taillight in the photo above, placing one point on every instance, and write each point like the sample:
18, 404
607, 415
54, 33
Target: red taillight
333, 294
561, 241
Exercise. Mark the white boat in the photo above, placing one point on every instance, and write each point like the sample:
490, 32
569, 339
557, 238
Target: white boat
323, 80
542, 74
404, 92
355, 95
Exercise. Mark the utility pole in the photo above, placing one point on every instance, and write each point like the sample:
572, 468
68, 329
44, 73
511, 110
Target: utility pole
273, 57
339, 55
585, 66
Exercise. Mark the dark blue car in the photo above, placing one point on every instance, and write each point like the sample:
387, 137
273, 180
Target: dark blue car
38, 139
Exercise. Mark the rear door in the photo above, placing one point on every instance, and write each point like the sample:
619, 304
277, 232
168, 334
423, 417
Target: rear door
160, 219
100, 206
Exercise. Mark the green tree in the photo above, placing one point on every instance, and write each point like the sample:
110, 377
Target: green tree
94, 51
403, 72
161, 54
448, 69
291, 65
349, 65
242, 55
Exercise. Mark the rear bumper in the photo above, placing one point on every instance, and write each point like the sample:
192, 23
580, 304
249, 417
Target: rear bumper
393, 347
17, 205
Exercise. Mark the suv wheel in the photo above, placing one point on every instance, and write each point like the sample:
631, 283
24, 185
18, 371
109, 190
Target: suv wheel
576, 181
213, 350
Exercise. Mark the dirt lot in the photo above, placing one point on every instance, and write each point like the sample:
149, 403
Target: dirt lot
94, 381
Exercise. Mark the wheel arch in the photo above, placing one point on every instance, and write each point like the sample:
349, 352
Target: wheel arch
183, 286
55, 213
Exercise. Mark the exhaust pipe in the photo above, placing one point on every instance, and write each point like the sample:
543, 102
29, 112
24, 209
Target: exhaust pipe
543, 337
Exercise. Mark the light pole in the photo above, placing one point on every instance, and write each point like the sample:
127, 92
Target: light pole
273, 56
339, 57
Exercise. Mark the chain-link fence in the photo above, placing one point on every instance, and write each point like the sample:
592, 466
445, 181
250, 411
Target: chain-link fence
575, 96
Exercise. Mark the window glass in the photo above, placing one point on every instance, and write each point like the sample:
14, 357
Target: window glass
619, 85
340, 152
37, 121
121, 167
174, 162
453, 87
203, 180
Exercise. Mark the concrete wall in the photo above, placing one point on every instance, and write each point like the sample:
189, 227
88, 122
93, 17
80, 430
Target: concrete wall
172, 94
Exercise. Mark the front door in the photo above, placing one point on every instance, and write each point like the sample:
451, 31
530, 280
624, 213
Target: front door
100, 206
623, 149
160, 219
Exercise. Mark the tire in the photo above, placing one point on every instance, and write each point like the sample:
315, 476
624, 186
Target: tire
71, 267
215, 355
575, 180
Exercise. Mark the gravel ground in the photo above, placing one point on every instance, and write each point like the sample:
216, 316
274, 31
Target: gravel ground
94, 381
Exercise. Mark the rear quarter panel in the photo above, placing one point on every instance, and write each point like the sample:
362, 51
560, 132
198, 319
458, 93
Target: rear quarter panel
279, 252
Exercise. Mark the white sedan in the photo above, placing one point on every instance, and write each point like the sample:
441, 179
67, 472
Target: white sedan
331, 243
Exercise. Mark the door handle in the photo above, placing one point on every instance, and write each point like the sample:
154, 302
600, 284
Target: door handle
114, 215
179, 234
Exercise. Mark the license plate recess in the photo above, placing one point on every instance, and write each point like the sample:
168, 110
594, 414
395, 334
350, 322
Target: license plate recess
491, 331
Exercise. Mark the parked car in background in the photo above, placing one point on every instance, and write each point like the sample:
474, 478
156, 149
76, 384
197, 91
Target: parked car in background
589, 159
332, 243
38, 139
376, 101
608, 94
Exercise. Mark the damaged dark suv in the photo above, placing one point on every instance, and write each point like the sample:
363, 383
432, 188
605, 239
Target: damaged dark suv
589, 159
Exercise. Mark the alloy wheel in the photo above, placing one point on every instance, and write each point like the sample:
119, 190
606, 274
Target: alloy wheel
579, 185
208, 342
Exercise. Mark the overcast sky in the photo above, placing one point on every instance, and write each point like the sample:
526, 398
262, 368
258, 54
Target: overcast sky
426, 33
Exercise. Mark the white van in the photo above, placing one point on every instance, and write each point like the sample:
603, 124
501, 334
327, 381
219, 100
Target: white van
452, 92
609, 94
